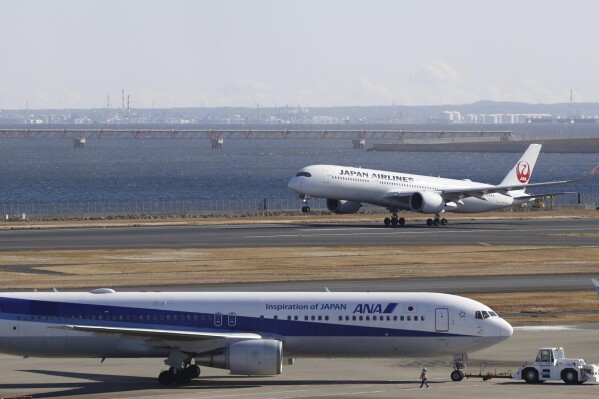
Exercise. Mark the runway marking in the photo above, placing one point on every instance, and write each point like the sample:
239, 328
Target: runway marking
427, 231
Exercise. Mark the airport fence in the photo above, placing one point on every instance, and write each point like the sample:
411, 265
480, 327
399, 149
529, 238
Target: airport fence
12, 211
99, 208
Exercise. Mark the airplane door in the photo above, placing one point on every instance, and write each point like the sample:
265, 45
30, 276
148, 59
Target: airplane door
441, 319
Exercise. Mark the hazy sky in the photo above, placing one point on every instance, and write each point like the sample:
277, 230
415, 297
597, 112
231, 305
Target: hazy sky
70, 54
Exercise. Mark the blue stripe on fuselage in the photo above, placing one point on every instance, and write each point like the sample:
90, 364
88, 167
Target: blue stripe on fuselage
61, 313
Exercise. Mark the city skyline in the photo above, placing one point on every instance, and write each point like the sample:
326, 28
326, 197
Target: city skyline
69, 54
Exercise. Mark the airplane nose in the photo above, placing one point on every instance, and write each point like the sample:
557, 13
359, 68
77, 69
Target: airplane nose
293, 184
506, 329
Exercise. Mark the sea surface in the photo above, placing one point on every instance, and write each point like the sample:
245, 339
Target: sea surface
33, 171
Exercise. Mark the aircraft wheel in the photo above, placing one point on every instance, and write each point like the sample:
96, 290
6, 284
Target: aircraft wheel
429, 222
457, 375
394, 221
193, 371
444, 222
436, 222
305, 209
182, 377
387, 221
166, 377
530, 375
401, 221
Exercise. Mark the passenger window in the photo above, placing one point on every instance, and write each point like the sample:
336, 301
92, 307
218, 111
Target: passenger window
319, 318
367, 318
409, 318
361, 318
295, 317
401, 318
313, 317
305, 317
232, 319
394, 318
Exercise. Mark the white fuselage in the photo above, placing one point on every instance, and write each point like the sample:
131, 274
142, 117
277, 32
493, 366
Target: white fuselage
308, 324
381, 188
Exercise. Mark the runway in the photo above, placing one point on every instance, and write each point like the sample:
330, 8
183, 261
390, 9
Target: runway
309, 378
569, 232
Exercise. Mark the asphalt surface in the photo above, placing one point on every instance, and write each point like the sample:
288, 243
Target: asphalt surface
311, 378
570, 232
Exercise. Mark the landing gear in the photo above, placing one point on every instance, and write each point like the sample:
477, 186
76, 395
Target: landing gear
458, 364
181, 370
436, 221
394, 220
457, 375
305, 207
181, 376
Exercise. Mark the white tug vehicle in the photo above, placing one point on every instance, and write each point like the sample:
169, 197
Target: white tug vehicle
552, 365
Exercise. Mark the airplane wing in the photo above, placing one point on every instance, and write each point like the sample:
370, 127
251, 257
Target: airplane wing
458, 193
596, 284
535, 196
171, 335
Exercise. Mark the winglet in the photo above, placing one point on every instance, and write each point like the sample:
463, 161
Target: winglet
596, 284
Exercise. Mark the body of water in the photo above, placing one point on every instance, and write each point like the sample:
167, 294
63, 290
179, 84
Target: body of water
52, 170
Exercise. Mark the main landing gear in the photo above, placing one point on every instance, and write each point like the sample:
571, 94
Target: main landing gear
394, 220
181, 370
305, 207
436, 221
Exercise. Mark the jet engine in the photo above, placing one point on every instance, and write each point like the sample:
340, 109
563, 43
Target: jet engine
426, 202
251, 357
342, 206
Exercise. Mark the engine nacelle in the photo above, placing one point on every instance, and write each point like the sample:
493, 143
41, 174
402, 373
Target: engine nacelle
342, 206
251, 357
426, 202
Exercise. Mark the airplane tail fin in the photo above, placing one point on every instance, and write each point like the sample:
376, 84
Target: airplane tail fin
522, 171
596, 284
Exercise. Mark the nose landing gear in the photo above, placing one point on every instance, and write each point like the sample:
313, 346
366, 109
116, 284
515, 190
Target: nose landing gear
305, 207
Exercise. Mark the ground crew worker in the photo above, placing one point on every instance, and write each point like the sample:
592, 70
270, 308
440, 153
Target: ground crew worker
424, 378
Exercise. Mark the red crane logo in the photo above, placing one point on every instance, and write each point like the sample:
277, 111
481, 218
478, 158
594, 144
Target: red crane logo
523, 172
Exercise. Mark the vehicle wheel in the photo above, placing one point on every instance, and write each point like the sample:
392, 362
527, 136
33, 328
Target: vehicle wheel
402, 221
394, 221
436, 222
429, 222
387, 221
166, 378
530, 375
444, 222
457, 375
570, 376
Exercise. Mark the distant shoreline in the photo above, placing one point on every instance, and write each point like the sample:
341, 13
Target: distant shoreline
557, 146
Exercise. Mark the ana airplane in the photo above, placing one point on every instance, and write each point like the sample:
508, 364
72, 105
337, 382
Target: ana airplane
246, 333
346, 188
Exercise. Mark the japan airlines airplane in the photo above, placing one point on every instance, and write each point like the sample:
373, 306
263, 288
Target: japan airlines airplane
346, 188
246, 333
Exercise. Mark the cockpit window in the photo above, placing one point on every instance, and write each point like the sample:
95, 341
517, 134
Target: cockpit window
305, 174
483, 314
